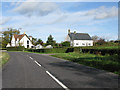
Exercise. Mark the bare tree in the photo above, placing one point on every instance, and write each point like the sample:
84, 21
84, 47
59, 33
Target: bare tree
95, 38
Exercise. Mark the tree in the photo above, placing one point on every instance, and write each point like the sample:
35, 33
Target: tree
34, 41
7, 36
95, 38
39, 41
65, 44
50, 41
101, 41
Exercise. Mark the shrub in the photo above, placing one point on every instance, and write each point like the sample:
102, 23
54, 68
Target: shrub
52, 50
2, 48
78, 50
17, 48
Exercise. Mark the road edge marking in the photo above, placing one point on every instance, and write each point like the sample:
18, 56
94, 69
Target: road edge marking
60, 83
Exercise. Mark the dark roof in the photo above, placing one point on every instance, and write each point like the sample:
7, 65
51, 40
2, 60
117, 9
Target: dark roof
79, 36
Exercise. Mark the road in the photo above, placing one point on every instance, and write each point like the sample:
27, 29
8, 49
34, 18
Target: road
29, 70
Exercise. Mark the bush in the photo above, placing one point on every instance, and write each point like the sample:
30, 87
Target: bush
18, 48
2, 48
78, 50
52, 50
65, 44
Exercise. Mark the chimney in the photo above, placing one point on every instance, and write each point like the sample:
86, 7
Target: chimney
30, 38
68, 31
74, 32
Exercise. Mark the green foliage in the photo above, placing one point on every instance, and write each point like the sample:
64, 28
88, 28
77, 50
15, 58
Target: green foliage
107, 62
50, 41
66, 44
34, 41
39, 41
18, 48
4, 58
53, 50
79, 50
7, 36
101, 41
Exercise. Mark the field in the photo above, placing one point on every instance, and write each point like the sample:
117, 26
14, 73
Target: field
107, 62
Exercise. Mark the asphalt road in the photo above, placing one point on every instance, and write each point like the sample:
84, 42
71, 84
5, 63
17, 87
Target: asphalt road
28, 70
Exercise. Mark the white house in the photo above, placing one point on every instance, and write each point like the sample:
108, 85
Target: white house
21, 40
49, 46
79, 39
39, 46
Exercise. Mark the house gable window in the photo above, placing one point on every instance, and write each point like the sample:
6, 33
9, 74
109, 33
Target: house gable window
27, 41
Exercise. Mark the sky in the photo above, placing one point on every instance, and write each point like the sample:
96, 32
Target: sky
40, 19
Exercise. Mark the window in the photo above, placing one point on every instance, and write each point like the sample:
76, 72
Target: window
89, 43
27, 42
31, 46
77, 44
27, 46
83, 43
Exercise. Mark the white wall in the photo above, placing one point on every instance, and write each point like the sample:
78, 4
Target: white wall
39, 46
67, 38
77, 43
24, 42
13, 41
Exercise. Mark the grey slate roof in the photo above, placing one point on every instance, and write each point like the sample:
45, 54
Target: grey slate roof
79, 36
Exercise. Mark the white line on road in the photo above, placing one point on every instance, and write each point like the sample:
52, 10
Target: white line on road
31, 58
57, 80
37, 63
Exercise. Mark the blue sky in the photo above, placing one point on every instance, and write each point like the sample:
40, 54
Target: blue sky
42, 19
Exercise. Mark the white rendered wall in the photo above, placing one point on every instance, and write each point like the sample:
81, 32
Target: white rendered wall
78, 43
13, 41
67, 38
24, 40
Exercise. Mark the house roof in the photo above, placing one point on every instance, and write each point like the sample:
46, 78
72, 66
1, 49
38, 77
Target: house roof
79, 36
18, 36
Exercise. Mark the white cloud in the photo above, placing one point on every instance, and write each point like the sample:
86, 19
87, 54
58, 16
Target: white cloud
56, 22
103, 12
35, 8
4, 20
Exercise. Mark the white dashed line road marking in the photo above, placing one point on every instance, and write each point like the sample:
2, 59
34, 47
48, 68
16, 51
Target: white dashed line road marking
31, 58
66, 88
37, 63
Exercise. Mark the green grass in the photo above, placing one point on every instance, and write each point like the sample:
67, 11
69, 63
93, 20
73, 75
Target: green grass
107, 62
101, 47
38, 52
108, 47
4, 57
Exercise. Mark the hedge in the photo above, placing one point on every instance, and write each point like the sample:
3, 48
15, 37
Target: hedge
52, 50
2, 48
18, 48
98, 51
77, 49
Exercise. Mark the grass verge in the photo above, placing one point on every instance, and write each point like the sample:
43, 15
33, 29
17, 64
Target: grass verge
4, 57
107, 62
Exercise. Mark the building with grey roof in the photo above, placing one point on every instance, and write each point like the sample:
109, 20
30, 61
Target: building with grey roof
79, 39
